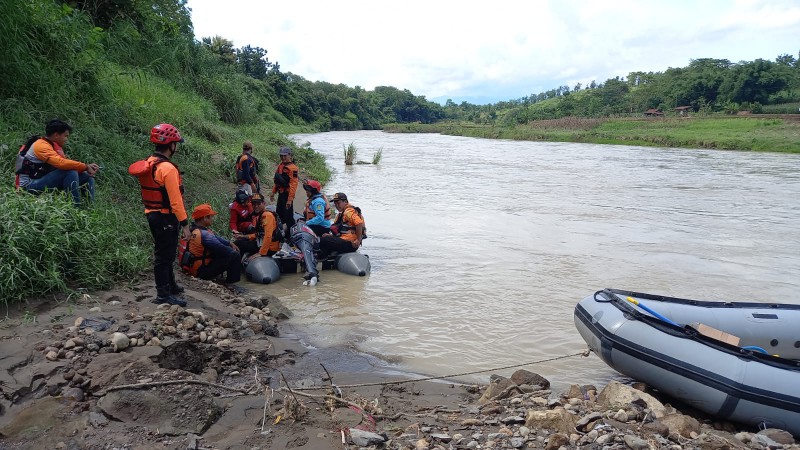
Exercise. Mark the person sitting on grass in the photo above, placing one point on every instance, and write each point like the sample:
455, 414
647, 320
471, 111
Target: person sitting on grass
45, 166
347, 230
212, 255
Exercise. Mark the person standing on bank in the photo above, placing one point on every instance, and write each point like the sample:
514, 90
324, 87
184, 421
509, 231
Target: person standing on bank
286, 179
247, 170
45, 166
347, 229
162, 194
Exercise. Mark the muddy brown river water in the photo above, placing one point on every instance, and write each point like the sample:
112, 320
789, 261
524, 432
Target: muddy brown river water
480, 249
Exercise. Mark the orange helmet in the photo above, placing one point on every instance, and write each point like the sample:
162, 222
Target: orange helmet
165, 133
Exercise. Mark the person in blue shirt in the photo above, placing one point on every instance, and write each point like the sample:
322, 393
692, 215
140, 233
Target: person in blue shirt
318, 211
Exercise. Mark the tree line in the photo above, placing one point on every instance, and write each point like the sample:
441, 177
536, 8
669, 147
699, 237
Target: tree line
706, 85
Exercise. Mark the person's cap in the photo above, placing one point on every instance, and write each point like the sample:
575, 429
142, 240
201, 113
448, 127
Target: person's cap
339, 196
247, 145
202, 210
285, 151
256, 198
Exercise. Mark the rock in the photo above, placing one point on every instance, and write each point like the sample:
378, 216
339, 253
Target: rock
271, 330
51, 356
496, 386
616, 396
441, 437
225, 343
777, 435
97, 419
74, 394
587, 422
421, 444
556, 440
69, 375
96, 309
681, 424
621, 416
70, 344
203, 336
119, 341
189, 323
523, 376
555, 419
635, 442
657, 427
471, 422
79, 321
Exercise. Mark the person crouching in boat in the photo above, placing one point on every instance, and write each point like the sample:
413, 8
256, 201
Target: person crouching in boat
212, 255
318, 211
241, 213
265, 237
347, 231
303, 238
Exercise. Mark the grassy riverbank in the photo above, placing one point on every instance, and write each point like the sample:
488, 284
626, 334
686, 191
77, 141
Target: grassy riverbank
774, 134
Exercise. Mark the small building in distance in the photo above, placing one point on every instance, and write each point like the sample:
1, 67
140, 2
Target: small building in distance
653, 113
683, 111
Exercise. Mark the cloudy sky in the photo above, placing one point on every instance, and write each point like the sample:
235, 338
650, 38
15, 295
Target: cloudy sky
497, 50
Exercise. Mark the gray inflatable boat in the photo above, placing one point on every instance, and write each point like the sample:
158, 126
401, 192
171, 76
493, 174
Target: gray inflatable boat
262, 270
733, 360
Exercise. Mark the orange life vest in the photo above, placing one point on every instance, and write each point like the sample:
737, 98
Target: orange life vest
200, 256
348, 228
154, 195
309, 214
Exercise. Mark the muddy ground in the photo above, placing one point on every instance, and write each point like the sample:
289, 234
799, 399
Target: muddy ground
110, 370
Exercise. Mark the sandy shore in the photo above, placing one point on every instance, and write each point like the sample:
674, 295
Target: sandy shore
112, 370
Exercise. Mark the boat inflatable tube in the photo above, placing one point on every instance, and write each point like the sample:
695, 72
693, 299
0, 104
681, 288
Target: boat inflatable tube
353, 264
263, 270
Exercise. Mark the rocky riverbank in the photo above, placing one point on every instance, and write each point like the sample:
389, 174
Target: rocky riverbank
112, 370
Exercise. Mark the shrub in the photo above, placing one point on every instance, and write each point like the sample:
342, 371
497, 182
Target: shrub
376, 158
350, 153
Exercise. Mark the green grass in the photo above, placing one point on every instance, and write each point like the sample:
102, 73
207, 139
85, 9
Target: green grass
725, 133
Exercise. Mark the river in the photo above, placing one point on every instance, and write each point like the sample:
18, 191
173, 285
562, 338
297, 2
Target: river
480, 249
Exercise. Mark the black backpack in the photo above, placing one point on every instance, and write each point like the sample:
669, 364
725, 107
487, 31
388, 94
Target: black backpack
22, 151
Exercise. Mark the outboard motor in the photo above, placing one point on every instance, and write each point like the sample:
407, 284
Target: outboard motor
304, 239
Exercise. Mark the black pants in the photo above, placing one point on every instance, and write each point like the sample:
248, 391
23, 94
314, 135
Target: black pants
250, 247
319, 230
231, 264
165, 229
286, 214
330, 244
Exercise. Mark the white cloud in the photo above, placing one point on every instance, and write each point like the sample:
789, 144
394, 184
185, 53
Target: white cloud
502, 49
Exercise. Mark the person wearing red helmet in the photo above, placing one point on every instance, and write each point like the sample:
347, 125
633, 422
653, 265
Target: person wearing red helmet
318, 211
162, 195
241, 213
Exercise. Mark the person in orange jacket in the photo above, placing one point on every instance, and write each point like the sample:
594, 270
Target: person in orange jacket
265, 240
347, 231
45, 166
286, 179
162, 195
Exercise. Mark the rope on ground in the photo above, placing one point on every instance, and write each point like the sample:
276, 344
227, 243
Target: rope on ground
443, 377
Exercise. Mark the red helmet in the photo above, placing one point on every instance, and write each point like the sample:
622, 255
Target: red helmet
313, 184
165, 133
